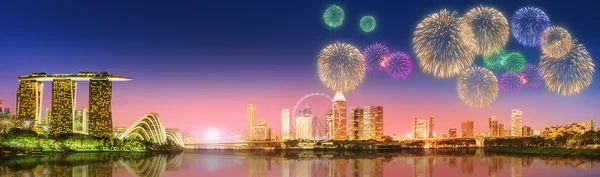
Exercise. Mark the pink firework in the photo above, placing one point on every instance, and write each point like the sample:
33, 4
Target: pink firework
375, 57
532, 76
510, 82
398, 65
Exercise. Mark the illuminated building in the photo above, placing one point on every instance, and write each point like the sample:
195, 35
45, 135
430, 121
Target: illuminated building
330, 125
29, 100
119, 130
80, 121
419, 128
273, 135
261, 122
373, 122
63, 104
356, 123
527, 131
285, 124
467, 129
537, 133
452, 132
259, 133
303, 127
493, 129
588, 125
339, 121
516, 123
445, 135
502, 130
251, 115
430, 128
100, 113
554, 131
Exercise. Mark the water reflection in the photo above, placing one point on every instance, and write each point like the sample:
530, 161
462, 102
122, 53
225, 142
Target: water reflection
415, 163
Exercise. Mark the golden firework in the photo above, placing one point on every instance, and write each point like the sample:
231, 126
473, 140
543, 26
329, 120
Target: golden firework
490, 29
444, 44
568, 75
556, 42
341, 67
477, 87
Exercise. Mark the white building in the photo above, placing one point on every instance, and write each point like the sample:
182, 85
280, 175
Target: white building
285, 124
516, 123
304, 127
251, 116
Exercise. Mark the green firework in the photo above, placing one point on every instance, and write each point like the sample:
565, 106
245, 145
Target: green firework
367, 23
334, 16
492, 59
513, 62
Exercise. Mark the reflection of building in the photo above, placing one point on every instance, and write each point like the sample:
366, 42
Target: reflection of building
365, 167
516, 123
285, 124
452, 132
63, 104
356, 124
496, 164
493, 129
422, 167
251, 116
516, 167
467, 129
81, 171
466, 166
430, 133
419, 128
339, 121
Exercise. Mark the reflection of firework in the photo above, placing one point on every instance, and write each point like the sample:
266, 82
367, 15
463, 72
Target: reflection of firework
477, 87
367, 23
399, 65
334, 16
341, 67
527, 24
510, 82
513, 62
568, 75
532, 76
444, 44
375, 56
556, 42
490, 28
493, 59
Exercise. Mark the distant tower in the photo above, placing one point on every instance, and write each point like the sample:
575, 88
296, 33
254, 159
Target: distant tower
251, 115
516, 123
285, 124
339, 120
430, 128
467, 129
63, 104
29, 100
493, 127
356, 123
100, 113
330, 125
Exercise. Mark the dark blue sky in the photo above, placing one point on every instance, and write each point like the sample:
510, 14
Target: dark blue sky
242, 46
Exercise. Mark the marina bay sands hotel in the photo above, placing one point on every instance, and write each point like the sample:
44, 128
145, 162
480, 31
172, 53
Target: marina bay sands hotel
30, 94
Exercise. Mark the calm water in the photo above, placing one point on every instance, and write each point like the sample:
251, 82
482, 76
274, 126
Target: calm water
416, 163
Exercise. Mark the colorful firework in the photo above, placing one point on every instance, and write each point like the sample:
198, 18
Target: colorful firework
531, 76
399, 66
375, 57
513, 62
367, 23
527, 25
569, 75
490, 28
510, 82
341, 67
444, 44
477, 87
493, 58
334, 16
556, 42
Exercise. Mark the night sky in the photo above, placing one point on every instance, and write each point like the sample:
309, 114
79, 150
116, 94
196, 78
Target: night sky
198, 64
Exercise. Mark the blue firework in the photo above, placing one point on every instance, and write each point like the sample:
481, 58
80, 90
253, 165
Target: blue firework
527, 25
532, 77
375, 57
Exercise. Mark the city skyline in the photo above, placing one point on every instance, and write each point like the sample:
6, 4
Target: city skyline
197, 82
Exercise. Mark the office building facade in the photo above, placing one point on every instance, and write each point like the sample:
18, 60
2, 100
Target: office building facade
63, 104
251, 119
285, 124
516, 123
339, 117
100, 109
356, 124
467, 129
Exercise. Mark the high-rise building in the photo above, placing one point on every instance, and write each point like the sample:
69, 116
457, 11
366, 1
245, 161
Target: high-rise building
445, 135
430, 128
29, 101
502, 130
261, 122
467, 129
419, 128
260, 133
516, 123
100, 109
80, 121
588, 125
273, 135
285, 124
527, 131
329, 123
339, 118
356, 123
493, 130
304, 127
373, 122
452, 132
251, 116
63, 104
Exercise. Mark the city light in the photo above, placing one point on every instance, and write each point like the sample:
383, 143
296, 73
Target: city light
211, 134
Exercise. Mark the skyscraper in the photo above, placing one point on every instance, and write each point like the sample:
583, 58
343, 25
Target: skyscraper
493, 127
419, 128
501, 130
330, 125
430, 128
356, 123
63, 104
527, 131
304, 127
285, 124
339, 118
467, 129
29, 100
373, 122
251, 116
516, 123
100, 113
452, 132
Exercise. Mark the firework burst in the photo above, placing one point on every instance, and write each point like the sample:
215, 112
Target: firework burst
531, 76
367, 23
556, 42
527, 24
444, 44
513, 62
375, 57
399, 66
510, 82
334, 16
490, 28
341, 67
477, 87
493, 58
569, 75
